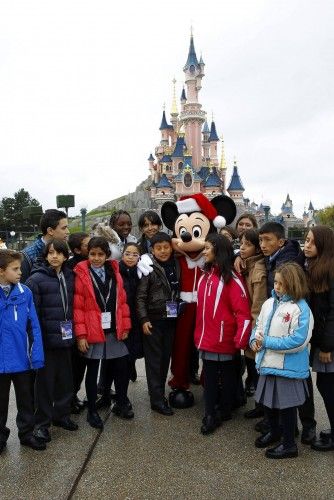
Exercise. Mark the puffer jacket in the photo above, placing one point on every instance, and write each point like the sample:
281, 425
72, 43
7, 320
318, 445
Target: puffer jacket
286, 327
223, 318
45, 286
152, 293
87, 313
322, 306
21, 345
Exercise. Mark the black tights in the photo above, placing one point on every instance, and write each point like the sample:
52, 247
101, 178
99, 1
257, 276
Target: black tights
214, 371
283, 421
325, 385
116, 369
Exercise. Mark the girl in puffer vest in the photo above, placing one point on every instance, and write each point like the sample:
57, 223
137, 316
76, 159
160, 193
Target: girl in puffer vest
280, 339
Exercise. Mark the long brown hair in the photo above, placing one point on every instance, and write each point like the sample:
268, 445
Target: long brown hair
294, 280
321, 268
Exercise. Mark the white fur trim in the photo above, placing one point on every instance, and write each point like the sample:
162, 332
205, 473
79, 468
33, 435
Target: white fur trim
219, 221
187, 206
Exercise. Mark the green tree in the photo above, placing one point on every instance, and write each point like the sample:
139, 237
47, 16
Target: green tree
326, 216
13, 210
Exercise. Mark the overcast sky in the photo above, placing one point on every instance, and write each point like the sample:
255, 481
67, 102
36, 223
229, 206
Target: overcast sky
82, 85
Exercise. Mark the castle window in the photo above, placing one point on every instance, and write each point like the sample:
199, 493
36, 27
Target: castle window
187, 180
180, 165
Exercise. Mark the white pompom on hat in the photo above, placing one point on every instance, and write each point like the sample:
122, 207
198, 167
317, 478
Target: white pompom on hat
200, 203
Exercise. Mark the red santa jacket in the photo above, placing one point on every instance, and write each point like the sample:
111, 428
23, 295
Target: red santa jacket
223, 318
87, 314
190, 272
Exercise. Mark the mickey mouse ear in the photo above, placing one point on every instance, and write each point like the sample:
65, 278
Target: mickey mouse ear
169, 214
225, 207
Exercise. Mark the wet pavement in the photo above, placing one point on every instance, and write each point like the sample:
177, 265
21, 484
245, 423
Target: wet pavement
157, 457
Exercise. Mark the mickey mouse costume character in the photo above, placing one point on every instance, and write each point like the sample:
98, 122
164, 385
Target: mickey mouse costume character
191, 219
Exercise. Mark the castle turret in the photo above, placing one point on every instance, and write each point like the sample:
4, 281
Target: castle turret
235, 188
206, 143
213, 140
174, 111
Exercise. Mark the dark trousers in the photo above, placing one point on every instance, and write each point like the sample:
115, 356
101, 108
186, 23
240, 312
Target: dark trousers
306, 411
220, 383
252, 374
157, 353
78, 369
23, 386
54, 387
325, 385
116, 369
283, 421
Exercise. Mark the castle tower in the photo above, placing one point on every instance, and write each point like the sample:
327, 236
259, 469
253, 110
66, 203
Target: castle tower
206, 143
223, 167
192, 116
213, 140
174, 112
235, 188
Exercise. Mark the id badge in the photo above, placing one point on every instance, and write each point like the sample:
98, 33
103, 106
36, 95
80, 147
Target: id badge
171, 309
106, 320
66, 330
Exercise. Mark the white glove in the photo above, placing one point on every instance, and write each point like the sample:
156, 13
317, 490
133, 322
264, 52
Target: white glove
144, 266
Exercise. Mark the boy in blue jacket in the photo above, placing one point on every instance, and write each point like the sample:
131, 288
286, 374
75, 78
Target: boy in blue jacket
21, 350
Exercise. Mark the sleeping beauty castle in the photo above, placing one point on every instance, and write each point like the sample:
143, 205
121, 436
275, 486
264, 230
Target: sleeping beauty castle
186, 161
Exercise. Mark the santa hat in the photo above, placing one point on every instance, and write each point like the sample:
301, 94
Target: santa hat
200, 203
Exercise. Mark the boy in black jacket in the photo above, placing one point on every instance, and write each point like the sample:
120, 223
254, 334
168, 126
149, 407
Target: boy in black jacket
157, 294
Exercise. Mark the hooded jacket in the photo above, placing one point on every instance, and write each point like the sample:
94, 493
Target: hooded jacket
45, 286
87, 313
21, 345
286, 327
223, 318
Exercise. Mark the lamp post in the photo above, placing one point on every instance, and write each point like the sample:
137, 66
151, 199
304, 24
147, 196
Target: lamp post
12, 234
83, 211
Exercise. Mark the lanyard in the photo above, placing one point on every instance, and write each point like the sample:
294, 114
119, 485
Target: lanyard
63, 293
104, 300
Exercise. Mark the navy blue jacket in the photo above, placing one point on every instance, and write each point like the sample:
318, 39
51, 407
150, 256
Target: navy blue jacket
44, 284
290, 252
21, 347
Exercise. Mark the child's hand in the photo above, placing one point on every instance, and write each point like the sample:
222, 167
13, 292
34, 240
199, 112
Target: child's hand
239, 264
325, 357
255, 347
259, 339
83, 345
125, 335
147, 328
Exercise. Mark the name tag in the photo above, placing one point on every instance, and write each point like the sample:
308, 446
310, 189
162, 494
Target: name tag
106, 320
66, 330
171, 309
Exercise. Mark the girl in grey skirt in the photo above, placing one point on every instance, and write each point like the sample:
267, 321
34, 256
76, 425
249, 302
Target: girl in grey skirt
280, 339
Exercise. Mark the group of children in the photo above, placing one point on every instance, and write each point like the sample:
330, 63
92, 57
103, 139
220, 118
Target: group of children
92, 313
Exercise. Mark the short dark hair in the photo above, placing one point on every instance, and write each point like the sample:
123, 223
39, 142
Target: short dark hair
75, 240
273, 227
116, 215
8, 256
51, 218
60, 246
160, 237
99, 242
150, 215
131, 244
252, 236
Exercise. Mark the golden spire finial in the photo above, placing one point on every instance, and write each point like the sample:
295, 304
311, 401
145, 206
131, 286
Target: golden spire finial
223, 165
234, 161
174, 110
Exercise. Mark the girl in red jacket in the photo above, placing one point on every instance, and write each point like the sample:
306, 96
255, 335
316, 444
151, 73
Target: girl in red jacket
223, 327
101, 323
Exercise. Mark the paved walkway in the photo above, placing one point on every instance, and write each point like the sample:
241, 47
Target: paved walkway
157, 457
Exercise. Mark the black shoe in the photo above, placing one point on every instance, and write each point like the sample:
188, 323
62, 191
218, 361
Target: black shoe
77, 406
308, 435
262, 426
326, 444
34, 443
195, 379
94, 419
266, 440
42, 434
281, 452
209, 424
66, 423
123, 411
326, 434
163, 408
103, 402
2, 446
256, 412
133, 373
